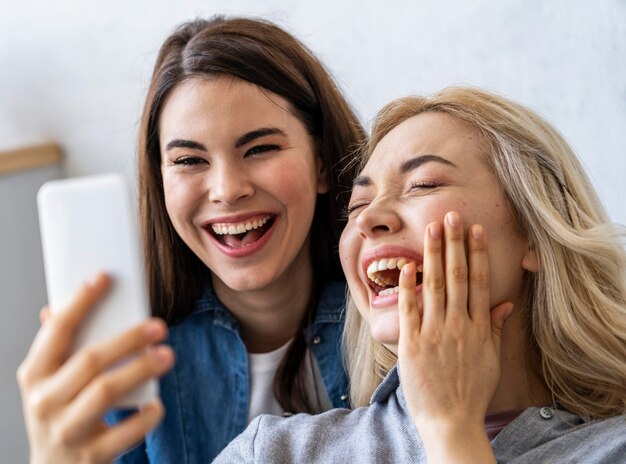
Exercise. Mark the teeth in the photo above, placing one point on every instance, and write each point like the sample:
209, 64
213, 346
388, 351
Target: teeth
239, 228
383, 264
389, 291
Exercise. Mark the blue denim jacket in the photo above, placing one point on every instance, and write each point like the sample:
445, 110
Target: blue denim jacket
207, 392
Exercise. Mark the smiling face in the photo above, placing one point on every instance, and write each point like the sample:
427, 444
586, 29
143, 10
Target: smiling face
426, 166
240, 178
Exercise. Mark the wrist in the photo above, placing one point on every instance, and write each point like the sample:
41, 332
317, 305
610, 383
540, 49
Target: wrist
456, 441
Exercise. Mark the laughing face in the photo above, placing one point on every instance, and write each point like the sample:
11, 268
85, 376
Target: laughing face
426, 166
241, 178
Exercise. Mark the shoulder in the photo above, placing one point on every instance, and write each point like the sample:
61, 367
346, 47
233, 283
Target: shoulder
208, 311
548, 435
293, 439
331, 305
601, 441
380, 433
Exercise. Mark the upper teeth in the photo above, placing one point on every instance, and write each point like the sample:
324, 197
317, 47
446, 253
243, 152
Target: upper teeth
239, 228
387, 263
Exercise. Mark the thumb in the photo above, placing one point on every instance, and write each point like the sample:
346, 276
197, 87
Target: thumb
499, 315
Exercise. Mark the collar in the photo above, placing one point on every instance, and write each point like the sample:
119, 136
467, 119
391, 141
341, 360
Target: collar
552, 422
329, 309
390, 384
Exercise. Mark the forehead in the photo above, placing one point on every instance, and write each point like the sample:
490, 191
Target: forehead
223, 105
431, 133
222, 98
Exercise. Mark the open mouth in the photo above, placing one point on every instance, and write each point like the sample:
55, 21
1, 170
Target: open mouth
241, 234
384, 274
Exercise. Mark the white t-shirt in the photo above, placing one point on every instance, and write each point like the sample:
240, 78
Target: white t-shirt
263, 367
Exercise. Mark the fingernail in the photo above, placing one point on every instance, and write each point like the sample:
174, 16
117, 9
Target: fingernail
434, 231
153, 328
478, 232
509, 311
453, 219
162, 354
94, 280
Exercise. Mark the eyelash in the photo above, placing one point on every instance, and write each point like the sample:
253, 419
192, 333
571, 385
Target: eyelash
427, 184
188, 161
260, 149
414, 186
351, 208
254, 151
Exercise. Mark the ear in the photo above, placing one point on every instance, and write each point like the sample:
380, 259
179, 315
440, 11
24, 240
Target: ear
322, 177
530, 261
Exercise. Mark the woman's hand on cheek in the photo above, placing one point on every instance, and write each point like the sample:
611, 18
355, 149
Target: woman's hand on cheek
64, 397
449, 355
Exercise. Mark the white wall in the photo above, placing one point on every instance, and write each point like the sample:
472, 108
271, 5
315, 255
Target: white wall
75, 72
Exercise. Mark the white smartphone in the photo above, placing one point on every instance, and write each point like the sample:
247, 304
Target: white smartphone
90, 224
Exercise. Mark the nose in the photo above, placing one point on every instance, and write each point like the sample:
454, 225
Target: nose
378, 218
229, 183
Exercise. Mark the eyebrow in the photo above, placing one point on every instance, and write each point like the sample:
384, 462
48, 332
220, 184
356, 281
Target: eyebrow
414, 163
241, 141
407, 166
255, 134
180, 143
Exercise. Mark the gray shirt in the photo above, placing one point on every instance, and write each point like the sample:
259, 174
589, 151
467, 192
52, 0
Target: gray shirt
384, 433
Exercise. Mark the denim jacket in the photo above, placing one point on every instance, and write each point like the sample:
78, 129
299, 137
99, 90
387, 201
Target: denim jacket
206, 394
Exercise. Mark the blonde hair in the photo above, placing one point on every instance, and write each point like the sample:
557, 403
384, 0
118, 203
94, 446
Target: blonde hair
576, 304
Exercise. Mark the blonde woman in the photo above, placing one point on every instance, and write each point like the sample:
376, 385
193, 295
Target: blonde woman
547, 385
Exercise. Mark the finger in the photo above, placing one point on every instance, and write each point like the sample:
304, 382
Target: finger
408, 309
104, 391
127, 433
92, 360
44, 315
499, 315
433, 279
456, 266
54, 340
478, 274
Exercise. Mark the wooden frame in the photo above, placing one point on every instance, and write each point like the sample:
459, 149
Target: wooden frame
21, 159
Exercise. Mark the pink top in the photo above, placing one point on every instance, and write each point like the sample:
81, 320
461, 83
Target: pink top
494, 423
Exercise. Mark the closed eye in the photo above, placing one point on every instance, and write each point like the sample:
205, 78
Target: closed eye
353, 208
261, 149
189, 160
424, 185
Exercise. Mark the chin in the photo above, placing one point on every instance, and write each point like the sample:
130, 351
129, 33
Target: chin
245, 282
385, 328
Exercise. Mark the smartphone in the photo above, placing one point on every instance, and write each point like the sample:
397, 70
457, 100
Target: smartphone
90, 224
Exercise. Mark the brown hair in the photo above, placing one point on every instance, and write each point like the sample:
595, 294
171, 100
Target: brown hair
265, 55
575, 306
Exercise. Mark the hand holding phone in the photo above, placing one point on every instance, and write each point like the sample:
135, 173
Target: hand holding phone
89, 225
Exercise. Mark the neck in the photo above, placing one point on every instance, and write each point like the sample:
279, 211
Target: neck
520, 385
269, 317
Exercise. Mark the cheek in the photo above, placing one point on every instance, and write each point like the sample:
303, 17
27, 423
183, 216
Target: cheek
349, 249
428, 210
291, 182
180, 200
169, 193
506, 248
